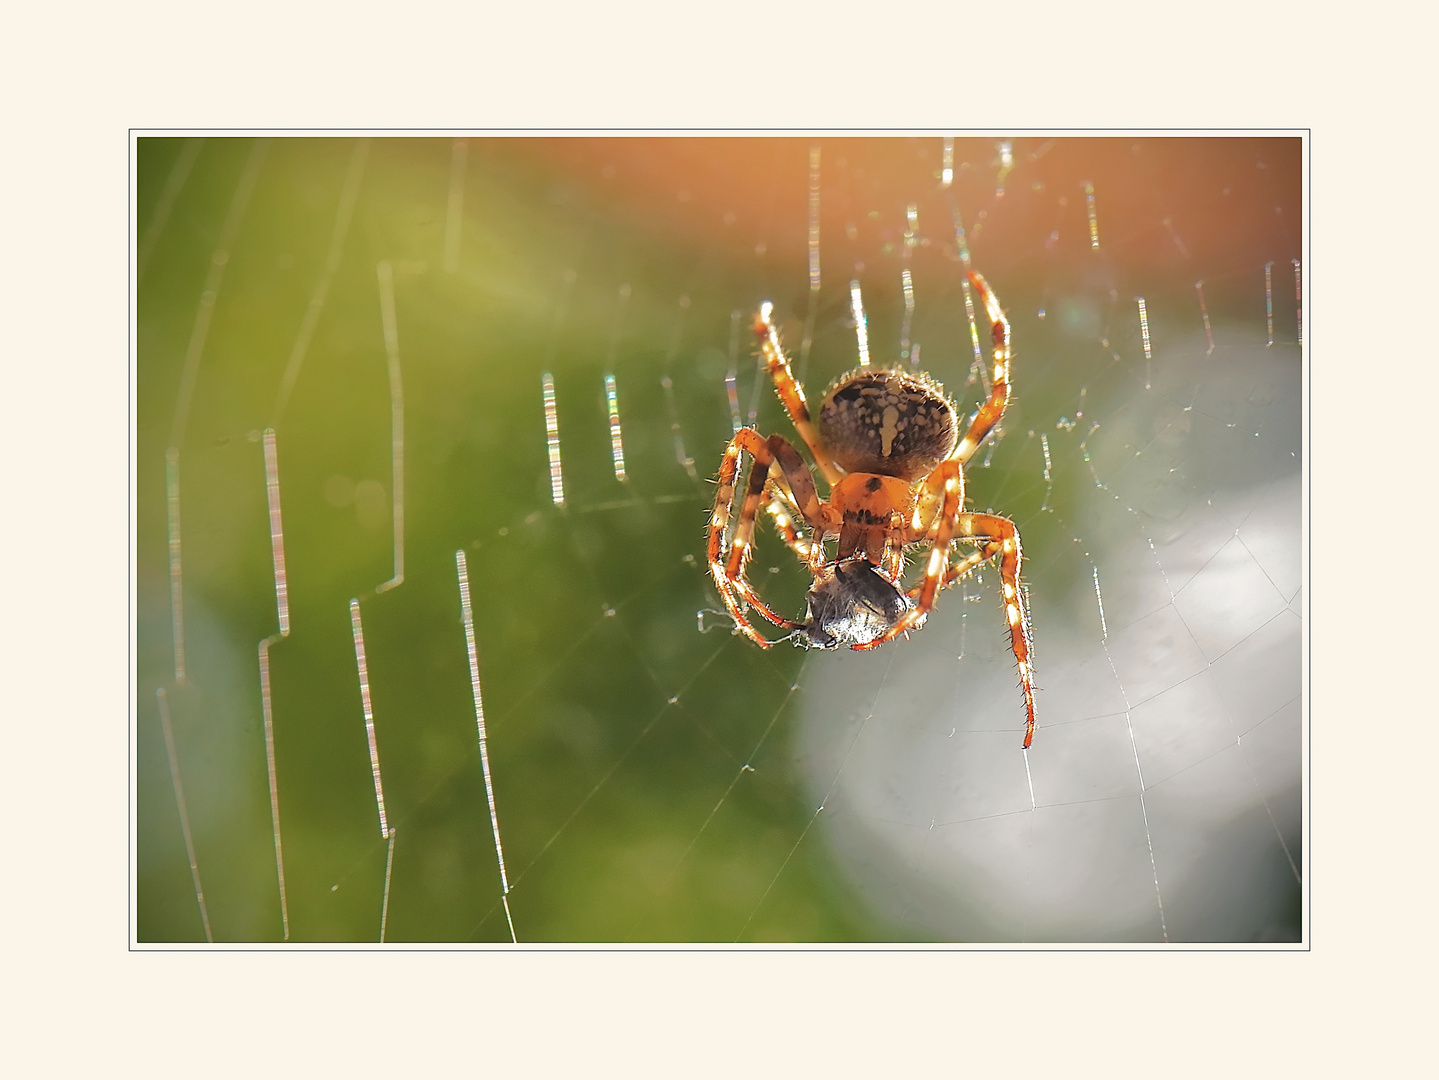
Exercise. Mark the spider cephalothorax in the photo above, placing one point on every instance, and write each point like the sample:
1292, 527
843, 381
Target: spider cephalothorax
887, 443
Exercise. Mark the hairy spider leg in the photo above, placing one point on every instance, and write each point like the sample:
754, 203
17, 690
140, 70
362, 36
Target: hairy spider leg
990, 412
790, 392
796, 474
957, 570
784, 512
1000, 536
729, 576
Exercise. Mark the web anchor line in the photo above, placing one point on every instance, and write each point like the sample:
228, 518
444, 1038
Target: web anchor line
180, 806
386, 276
552, 439
1114, 671
282, 608
387, 832
384, 272
617, 442
467, 614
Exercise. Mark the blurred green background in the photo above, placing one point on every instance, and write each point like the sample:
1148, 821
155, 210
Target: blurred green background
620, 716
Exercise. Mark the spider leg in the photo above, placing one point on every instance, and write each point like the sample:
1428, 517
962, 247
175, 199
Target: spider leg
990, 412
988, 550
729, 576
791, 393
996, 536
784, 512
999, 536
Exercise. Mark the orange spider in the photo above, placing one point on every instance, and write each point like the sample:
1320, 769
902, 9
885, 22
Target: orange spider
887, 442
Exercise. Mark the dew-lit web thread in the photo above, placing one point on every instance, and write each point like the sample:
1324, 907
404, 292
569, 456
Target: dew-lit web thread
946, 168
1269, 300
1099, 601
282, 606
552, 439
906, 280
1204, 310
1128, 721
812, 301
906, 284
616, 333
813, 239
1298, 302
386, 276
861, 324
357, 631
1093, 219
1139, 771
746, 767
1006, 165
472, 651
731, 389
978, 370
761, 380
180, 806
454, 206
277, 535
686, 462
177, 596
179, 173
1144, 336
344, 212
1048, 479
617, 444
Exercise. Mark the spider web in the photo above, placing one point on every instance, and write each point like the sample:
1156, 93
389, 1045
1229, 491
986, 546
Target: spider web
398, 314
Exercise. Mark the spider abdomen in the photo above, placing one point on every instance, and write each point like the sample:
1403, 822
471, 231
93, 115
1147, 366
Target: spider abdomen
893, 423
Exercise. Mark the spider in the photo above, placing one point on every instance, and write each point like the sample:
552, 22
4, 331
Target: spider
887, 444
